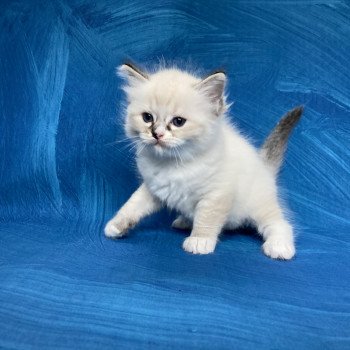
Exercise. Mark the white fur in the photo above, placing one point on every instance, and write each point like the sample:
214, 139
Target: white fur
205, 170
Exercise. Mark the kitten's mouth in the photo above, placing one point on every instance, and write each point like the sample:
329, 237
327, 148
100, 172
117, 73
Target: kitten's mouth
160, 143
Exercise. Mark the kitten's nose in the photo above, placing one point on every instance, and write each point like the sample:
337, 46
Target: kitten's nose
157, 134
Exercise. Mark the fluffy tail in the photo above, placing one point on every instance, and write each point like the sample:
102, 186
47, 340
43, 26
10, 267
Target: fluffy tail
275, 145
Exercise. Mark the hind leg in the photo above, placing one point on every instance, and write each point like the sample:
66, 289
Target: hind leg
182, 223
279, 241
276, 231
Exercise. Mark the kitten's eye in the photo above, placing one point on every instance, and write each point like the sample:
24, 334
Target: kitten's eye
147, 117
178, 121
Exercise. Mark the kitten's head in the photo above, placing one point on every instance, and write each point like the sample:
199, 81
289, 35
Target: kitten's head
171, 111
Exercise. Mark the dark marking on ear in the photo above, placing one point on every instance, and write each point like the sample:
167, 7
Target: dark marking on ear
216, 71
133, 75
136, 69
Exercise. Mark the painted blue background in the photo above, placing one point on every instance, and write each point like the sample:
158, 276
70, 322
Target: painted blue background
62, 284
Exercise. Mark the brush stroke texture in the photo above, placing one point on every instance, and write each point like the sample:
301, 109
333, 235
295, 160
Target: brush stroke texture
63, 285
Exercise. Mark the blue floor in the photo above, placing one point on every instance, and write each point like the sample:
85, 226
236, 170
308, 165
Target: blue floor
62, 284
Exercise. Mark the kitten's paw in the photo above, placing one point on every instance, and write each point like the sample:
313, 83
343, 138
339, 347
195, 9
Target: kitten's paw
277, 248
113, 229
181, 223
199, 245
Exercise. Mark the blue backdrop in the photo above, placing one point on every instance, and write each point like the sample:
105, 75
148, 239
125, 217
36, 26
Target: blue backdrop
62, 284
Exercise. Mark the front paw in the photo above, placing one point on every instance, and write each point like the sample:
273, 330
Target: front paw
277, 248
199, 245
116, 228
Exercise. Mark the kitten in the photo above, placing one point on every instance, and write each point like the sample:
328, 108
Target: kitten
194, 161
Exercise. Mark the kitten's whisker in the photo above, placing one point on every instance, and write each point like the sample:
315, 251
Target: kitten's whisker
138, 152
178, 152
127, 139
124, 140
131, 145
175, 153
177, 164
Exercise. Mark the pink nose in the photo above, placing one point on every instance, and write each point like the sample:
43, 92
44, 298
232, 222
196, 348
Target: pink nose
157, 135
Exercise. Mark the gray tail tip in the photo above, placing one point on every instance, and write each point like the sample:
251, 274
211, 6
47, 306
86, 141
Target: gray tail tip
290, 118
296, 112
276, 143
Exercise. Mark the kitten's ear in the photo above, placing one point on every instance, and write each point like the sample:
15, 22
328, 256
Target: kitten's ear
213, 86
132, 74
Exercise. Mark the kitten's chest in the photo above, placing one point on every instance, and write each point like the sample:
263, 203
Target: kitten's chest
179, 188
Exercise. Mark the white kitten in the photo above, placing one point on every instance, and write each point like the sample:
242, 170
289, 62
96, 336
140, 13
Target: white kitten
192, 160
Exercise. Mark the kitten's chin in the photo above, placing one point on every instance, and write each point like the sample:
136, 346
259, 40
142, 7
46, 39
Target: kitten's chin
163, 148
158, 145
159, 149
